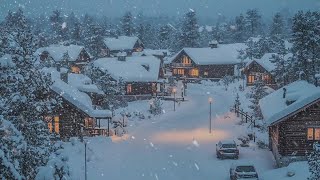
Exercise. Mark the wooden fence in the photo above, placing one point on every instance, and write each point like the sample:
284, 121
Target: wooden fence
244, 116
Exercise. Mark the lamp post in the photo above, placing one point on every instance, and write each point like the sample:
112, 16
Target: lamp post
85, 159
210, 102
174, 99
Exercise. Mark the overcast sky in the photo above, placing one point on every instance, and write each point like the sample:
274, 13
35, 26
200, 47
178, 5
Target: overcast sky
115, 8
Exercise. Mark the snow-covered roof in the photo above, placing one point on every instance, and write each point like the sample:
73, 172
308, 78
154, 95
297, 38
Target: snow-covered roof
300, 94
133, 69
79, 99
223, 54
6, 61
121, 43
265, 62
82, 82
58, 51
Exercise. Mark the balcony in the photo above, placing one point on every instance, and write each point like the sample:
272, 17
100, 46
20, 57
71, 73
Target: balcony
181, 65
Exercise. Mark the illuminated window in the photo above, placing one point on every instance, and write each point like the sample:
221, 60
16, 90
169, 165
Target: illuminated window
206, 73
310, 134
89, 122
313, 134
251, 79
56, 124
129, 88
75, 69
174, 71
180, 71
48, 120
317, 134
186, 60
194, 72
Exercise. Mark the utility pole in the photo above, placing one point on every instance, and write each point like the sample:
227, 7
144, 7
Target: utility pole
210, 124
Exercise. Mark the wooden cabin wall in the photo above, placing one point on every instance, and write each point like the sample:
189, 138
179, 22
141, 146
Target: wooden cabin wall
293, 132
216, 71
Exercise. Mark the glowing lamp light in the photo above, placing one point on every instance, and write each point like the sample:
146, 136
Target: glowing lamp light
174, 90
210, 100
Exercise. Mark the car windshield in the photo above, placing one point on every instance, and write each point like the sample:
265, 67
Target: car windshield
245, 169
228, 146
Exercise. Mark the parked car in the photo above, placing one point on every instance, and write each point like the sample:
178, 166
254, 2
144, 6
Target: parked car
227, 149
243, 171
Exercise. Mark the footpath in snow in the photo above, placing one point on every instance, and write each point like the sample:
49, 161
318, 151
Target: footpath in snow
176, 145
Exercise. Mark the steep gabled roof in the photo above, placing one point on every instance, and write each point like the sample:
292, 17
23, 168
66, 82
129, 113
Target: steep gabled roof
133, 69
79, 99
299, 94
224, 54
57, 52
121, 43
264, 62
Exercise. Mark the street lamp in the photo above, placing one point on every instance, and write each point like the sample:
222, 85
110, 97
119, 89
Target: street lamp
85, 159
174, 98
210, 102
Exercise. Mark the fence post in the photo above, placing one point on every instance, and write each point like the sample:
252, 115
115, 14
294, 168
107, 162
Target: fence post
241, 112
254, 122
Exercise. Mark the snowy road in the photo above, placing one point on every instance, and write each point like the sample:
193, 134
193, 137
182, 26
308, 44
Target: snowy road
176, 145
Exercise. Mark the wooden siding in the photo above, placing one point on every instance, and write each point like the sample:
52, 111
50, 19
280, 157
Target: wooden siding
254, 69
292, 136
205, 71
141, 88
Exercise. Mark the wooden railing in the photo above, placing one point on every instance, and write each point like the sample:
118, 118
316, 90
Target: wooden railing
244, 116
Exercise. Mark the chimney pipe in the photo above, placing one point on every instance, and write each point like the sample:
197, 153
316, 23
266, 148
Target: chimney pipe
284, 93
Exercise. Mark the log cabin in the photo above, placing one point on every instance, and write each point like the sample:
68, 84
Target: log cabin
78, 114
215, 61
74, 56
122, 44
139, 73
261, 69
292, 114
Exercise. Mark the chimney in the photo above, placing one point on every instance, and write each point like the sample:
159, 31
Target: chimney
284, 93
213, 44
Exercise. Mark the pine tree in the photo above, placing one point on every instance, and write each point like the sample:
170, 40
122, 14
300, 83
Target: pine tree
56, 21
127, 24
189, 30
165, 33
26, 97
240, 32
277, 26
257, 93
306, 44
281, 73
314, 163
253, 19
156, 106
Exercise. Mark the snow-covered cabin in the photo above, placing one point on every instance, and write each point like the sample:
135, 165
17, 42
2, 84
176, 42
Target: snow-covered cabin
128, 44
140, 73
78, 114
261, 69
74, 56
212, 62
293, 116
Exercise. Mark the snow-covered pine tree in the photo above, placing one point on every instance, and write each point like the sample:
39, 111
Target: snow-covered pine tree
127, 25
164, 36
277, 26
56, 21
240, 34
306, 44
314, 163
281, 71
189, 30
253, 19
26, 97
257, 93
156, 106
12, 145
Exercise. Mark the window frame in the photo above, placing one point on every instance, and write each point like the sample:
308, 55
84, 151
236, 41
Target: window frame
314, 137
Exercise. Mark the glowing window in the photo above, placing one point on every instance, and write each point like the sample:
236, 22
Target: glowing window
129, 88
310, 134
56, 124
194, 72
75, 69
251, 79
48, 119
317, 134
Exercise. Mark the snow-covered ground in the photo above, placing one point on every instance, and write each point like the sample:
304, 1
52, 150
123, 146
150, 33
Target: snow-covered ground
175, 145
